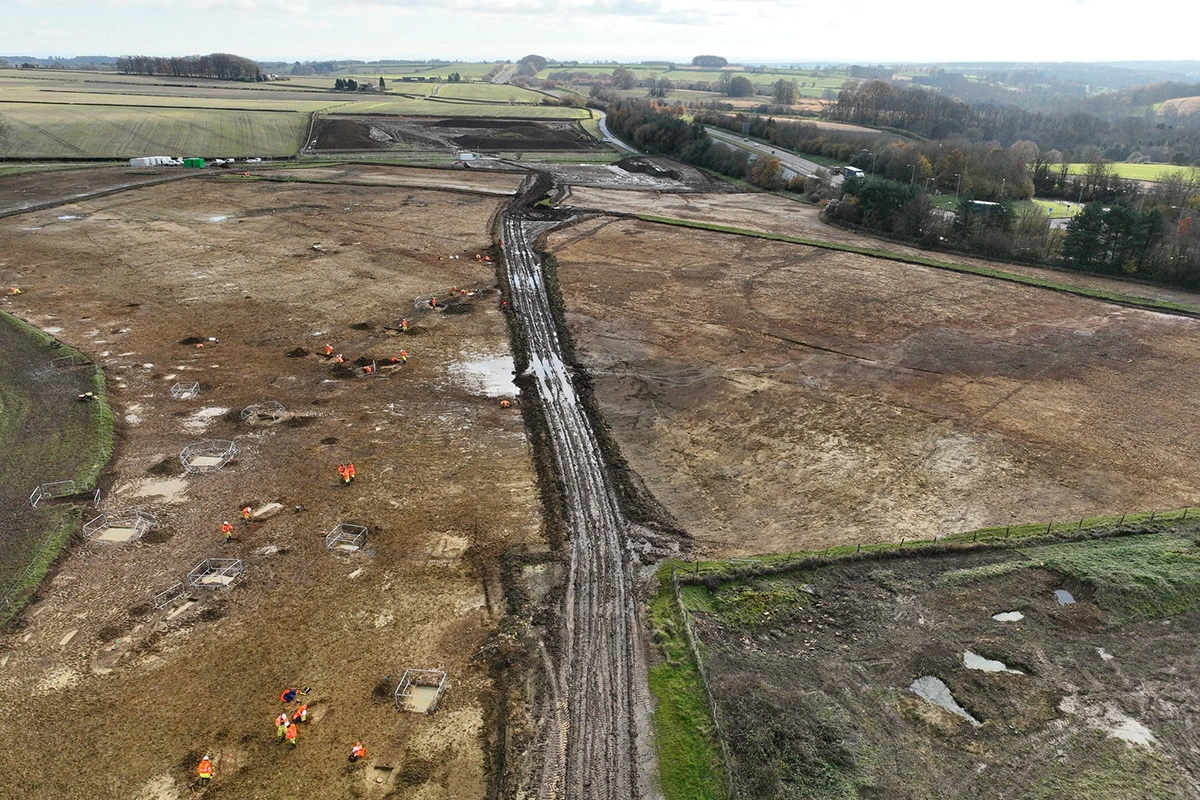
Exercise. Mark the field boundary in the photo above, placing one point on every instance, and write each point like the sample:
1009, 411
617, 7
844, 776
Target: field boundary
1131, 524
1133, 301
693, 644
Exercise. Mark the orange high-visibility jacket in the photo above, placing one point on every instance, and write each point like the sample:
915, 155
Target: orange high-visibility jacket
291, 730
358, 751
205, 769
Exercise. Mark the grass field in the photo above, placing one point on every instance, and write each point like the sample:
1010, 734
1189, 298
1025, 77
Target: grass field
1141, 172
65, 131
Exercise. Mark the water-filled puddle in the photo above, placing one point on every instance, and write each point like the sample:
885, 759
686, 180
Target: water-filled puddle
492, 376
1008, 616
974, 661
1064, 597
933, 690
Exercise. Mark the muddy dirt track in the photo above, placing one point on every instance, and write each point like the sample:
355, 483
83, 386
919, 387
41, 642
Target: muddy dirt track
119, 699
597, 694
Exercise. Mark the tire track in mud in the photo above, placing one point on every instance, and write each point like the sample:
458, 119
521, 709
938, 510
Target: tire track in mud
589, 748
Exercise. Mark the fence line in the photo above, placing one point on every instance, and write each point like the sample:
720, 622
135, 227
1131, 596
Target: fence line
734, 566
689, 633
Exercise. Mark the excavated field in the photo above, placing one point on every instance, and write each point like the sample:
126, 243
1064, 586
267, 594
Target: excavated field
386, 132
777, 397
106, 696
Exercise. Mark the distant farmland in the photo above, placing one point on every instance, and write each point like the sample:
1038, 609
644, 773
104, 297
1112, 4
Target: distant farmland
107, 116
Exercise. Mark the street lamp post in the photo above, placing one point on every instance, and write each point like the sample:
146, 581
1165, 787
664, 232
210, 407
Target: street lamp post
957, 186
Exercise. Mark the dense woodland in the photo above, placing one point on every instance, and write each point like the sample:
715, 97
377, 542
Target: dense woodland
222, 66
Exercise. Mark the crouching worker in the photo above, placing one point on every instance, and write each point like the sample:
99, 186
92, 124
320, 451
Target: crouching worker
358, 751
205, 770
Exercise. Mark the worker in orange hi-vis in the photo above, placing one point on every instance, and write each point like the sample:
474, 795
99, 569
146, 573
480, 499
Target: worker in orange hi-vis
227, 529
290, 734
342, 473
368, 369
403, 356
505, 403
281, 723
358, 751
205, 770
246, 514
340, 359
404, 325
301, 713
350, 472
328, 349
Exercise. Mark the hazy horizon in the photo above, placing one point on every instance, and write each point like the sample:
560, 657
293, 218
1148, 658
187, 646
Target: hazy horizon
749, 31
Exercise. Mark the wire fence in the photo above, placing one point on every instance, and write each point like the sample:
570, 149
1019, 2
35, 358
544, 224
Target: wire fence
693, 642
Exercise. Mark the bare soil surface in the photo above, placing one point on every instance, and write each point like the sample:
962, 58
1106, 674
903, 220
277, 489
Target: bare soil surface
777, 397
773, 214
362, 133
816, 688
106, 696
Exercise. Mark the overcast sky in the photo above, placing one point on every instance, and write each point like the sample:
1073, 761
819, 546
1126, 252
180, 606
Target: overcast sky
744, 31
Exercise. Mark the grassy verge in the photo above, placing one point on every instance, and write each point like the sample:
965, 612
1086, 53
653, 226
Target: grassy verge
986, 272
1088, 527
688, 755
45, 435
1134, 577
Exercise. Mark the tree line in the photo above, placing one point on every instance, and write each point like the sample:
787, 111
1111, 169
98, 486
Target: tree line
926, 114
1121, 231
222, 66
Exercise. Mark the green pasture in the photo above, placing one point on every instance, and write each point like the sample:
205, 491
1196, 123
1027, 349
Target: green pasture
1140, 172
73, 131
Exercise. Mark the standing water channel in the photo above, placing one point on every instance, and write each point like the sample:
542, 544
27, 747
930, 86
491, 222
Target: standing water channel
597, 675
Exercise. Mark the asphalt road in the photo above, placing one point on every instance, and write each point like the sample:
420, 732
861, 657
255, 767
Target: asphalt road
792, 163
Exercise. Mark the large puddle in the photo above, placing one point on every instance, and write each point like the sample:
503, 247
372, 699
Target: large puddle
933, 690
489, 375
974, 661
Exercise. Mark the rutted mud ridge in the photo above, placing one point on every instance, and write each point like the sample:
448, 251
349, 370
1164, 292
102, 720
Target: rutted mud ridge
597, 677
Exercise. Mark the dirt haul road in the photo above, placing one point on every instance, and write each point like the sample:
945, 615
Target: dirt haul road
598, 682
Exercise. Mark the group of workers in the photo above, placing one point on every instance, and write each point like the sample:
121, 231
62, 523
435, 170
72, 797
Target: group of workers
227, 527
346, 472
285, 731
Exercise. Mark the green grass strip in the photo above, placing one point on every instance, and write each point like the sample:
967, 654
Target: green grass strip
689, 758
1015, 534
985, 272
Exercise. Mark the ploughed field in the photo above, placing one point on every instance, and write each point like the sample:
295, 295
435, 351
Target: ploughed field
238, 285
778, 397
